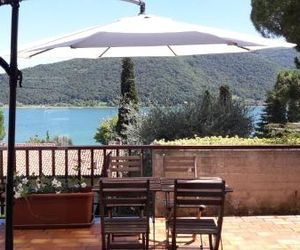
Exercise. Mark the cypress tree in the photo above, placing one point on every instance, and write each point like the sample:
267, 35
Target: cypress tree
225, 97
129, 100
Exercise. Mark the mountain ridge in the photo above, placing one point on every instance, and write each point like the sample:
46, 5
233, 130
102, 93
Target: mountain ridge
161, 80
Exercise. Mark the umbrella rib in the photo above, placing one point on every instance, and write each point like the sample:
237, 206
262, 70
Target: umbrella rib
104, 51
171, 50
40, 52
239, 46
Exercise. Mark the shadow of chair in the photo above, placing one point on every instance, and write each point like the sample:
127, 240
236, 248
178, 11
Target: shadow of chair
193, 194
119, 193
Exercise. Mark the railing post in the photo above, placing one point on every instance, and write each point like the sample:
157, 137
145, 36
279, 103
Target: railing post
40, 162
79, 163
66, 165
27, 162
53, 161
92, 165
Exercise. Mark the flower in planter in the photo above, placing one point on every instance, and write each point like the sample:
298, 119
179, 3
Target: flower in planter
24, 186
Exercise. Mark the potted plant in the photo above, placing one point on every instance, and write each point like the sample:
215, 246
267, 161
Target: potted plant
51, 202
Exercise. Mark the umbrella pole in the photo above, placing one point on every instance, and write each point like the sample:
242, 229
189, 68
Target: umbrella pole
14, 77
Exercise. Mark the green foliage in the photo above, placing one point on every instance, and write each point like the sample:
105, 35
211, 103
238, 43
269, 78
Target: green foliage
219, 140
24, 186
59, 140
129, 99
166, 81
106, 131
2, 128
282, 103
208, 115
277, 18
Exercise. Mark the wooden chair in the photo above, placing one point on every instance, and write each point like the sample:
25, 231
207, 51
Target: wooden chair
125, 166
180, 166
192, 194
120, 193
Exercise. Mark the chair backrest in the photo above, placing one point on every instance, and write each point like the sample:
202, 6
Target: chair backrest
105, 166
125, 166
118, 192
115, 193
196, 193
179, 166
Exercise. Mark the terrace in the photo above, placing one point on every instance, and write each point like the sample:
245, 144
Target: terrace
239, 233
264, 180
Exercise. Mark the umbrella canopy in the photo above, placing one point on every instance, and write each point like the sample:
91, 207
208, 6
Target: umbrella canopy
147, 35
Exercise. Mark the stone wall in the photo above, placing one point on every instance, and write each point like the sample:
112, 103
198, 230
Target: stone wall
264, 180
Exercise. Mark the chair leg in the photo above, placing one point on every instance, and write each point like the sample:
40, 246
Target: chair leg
147, 241
108, 241
201, 242
210, 242
174, 246
143, 241
104, 242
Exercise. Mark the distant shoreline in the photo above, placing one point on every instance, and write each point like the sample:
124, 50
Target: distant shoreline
59, 107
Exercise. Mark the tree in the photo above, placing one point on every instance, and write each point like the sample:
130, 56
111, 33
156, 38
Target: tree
106, 132
2, 128
225, 97
129, 99
282, 103
278, 18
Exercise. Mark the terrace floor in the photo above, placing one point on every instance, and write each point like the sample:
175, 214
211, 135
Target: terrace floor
239, 233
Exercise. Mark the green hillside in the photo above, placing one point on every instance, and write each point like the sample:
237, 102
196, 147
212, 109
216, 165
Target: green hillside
162, 80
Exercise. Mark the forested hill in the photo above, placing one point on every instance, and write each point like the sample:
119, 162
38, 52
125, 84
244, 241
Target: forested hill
172, 80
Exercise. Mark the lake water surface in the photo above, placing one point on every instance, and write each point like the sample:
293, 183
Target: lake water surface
77, 123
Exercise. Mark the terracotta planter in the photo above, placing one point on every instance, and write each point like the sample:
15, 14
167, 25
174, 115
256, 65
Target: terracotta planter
54, 210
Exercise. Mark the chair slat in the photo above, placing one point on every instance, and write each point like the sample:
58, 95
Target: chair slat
118, 183
195, 202
200, 185
125, 169
125, 202
201, 193
132, 157
125, 163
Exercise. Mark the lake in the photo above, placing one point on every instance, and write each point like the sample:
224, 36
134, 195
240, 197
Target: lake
77, 123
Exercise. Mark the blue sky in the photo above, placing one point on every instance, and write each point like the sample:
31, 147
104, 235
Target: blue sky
40, 19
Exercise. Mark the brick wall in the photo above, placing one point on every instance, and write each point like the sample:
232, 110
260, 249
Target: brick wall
265, 180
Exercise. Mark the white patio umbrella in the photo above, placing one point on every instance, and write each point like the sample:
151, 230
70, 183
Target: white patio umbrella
143, 35
147, 35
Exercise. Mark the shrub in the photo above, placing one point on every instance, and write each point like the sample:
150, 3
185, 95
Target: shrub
206, 116
106, 131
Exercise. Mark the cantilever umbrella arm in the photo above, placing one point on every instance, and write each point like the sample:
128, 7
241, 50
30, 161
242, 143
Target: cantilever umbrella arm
14, 76
140, 3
